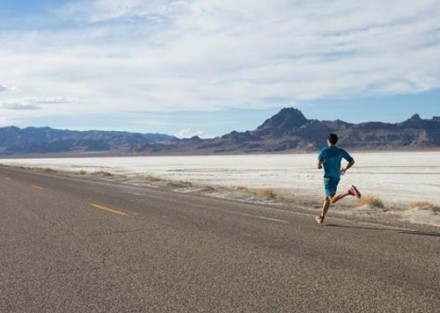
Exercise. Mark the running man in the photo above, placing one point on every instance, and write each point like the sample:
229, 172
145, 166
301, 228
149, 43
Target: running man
330, 158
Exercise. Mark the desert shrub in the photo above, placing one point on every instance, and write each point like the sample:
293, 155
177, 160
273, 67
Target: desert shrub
420, 204
152, 178
262, 193
266, 193
82, 172
179, 184
102, 173
243, 189
370, 200
208, 189
49, 170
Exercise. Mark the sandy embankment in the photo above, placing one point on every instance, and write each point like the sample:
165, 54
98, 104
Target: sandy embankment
397, 185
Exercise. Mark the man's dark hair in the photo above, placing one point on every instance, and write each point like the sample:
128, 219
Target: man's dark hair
332, 138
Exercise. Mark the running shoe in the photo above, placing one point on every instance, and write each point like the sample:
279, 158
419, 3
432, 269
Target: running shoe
354, 192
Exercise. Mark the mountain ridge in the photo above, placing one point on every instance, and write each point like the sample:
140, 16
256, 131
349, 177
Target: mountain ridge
288, 130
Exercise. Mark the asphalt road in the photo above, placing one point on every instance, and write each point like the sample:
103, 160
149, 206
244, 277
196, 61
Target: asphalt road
72, 245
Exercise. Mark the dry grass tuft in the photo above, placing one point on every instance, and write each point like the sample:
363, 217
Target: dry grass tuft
266, 193
179, 184
152, 178
82, 172
420, 204
208, 189
243, 189
373, 201
49, 170
261, 193
103, 173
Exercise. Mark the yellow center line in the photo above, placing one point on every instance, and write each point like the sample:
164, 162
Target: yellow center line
97, 206
37, 187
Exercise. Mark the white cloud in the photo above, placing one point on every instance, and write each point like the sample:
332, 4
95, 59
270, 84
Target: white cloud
188, 133
4, 88
110, 10
21, 107
36, 101
33, 104
208, 54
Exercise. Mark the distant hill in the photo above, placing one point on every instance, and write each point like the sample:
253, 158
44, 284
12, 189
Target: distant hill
288, 130
16, 141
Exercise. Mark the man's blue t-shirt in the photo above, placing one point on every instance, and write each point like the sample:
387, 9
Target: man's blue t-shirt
331, 160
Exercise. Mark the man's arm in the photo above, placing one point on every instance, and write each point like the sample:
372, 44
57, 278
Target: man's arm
344, 169
320, 158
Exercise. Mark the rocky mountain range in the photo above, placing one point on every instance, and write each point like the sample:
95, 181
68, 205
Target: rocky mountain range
31, 140
288, 130
291, 130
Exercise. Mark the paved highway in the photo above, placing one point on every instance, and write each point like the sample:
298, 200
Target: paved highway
72, 245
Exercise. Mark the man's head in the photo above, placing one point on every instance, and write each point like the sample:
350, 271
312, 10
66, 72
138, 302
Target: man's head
332, 139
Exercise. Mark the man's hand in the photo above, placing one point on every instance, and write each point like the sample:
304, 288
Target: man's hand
345, 169
319, 165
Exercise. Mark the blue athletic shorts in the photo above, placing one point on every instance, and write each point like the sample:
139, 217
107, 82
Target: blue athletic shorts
330, 186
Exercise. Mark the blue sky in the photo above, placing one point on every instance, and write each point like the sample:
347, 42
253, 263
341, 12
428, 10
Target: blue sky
208, 67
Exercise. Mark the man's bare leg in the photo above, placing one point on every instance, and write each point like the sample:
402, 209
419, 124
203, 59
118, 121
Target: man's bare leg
325, 207
340, 196
335, 198
330, 200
